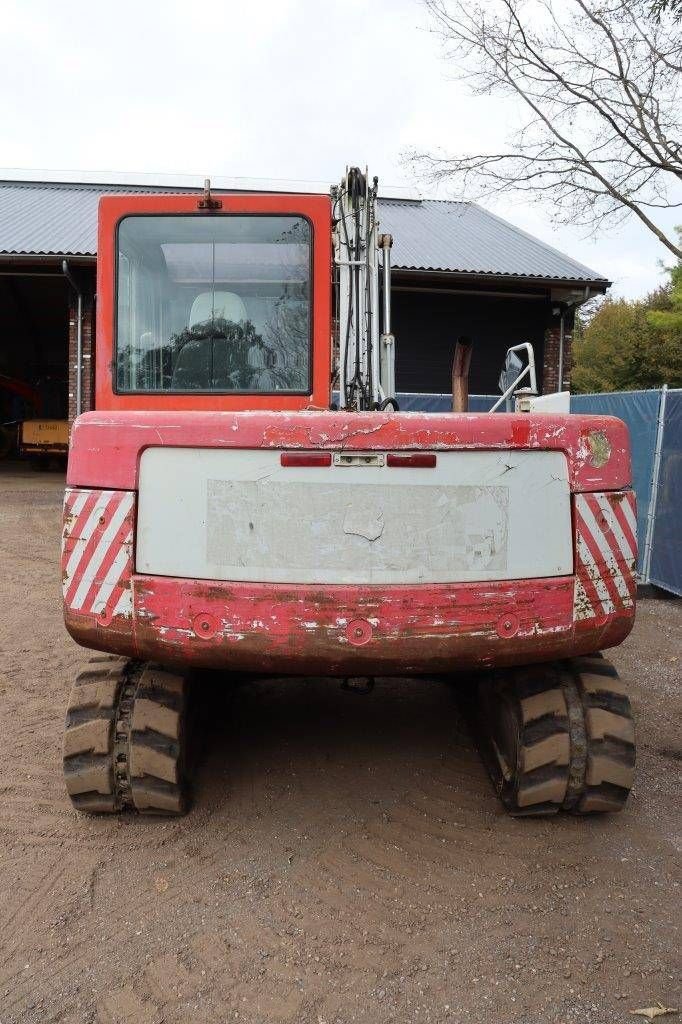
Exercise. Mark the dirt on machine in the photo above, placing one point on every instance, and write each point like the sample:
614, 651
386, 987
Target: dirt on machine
247, 496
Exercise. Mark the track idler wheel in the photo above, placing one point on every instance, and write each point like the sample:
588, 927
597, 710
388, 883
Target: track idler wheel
125, 739
558, 737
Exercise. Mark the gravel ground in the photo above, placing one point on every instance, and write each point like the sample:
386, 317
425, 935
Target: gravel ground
345, 860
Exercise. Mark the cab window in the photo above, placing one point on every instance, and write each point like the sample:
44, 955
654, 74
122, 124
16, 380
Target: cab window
213, 304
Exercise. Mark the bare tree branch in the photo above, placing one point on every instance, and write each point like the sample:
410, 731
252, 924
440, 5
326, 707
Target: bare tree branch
601, 81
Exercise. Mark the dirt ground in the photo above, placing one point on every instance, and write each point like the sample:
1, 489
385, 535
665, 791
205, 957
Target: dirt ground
345, 860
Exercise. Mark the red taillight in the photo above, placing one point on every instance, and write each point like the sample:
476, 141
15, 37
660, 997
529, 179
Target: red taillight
305, 459
412, 460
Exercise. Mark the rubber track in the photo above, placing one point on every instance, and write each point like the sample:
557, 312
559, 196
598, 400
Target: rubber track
574, 740
88, 736
536, 783
124, 739
610, 735
157, 743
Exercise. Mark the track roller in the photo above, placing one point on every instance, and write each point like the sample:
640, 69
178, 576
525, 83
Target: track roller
557, 737
124, 743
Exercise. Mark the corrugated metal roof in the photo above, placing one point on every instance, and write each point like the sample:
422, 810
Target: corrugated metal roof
432, 234
50, 218
44, 218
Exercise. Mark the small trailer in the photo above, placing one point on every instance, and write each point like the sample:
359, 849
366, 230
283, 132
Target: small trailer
43, 439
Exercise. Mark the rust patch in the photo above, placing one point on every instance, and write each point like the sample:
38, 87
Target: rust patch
298, 629
600, 448
583, 607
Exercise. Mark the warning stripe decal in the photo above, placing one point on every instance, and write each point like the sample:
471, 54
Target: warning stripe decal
606, 553
97, 552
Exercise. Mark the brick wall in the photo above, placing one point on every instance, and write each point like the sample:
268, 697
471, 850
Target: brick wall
88, 383
550, 366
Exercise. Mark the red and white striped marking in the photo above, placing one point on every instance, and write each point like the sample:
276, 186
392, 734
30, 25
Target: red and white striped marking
606, 553
97, 552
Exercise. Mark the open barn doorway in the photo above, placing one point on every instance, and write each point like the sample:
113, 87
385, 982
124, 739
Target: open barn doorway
34, 354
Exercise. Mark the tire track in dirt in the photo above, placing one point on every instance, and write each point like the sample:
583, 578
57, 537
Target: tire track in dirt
385, 852
46, 882
370, 879
33, 904
346, 857
150, 906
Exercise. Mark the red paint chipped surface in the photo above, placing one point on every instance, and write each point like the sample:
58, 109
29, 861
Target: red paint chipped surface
285, 628
106, 446
405, 629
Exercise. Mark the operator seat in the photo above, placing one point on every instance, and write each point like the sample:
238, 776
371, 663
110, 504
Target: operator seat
217, 306
202, 364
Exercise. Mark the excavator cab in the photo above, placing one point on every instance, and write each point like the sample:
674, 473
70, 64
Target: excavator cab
226, 303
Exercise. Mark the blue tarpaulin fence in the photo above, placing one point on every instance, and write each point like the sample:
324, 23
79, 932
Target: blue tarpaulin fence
410, 401
665, 562
654, 419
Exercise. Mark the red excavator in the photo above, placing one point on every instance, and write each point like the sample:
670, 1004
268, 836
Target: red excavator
224, 512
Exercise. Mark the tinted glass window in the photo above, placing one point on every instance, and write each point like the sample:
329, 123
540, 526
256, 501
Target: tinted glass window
213, 304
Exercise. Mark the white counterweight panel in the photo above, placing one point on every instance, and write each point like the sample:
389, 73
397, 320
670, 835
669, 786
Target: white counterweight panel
235, 514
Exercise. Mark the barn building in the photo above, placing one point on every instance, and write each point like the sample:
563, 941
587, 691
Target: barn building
458, 270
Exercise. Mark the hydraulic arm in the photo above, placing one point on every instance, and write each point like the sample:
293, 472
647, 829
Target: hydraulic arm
366, 366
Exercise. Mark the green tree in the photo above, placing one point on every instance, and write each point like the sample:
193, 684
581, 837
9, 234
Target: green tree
670, 316
628, 345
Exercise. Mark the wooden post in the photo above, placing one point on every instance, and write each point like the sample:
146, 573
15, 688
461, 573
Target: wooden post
460, 375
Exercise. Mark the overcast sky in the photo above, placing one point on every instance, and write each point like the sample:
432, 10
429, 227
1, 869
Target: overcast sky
287, 89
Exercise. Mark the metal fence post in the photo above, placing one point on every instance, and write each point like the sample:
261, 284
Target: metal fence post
651, 511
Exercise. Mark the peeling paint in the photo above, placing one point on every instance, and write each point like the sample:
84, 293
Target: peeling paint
290, 627
362, 522
414, 628
600, 448
106, 448
243, 517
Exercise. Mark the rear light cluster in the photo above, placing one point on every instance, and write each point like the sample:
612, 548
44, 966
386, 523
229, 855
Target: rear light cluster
404, 460
306, 459
412, 460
